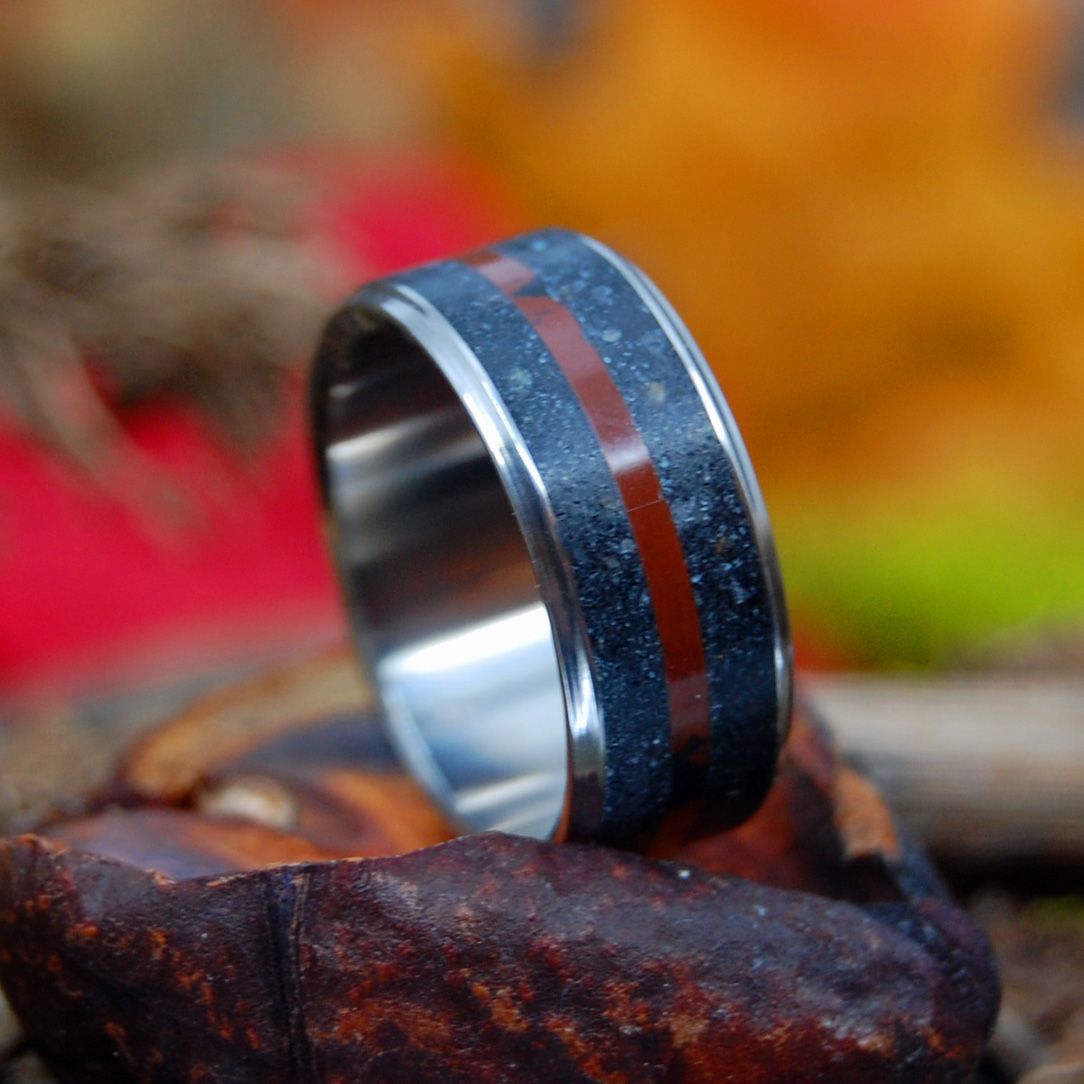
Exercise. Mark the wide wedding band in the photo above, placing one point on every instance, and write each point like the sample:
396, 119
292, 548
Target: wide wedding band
557, 561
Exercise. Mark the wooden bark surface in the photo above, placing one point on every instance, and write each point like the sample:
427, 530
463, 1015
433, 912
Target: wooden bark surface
160, 936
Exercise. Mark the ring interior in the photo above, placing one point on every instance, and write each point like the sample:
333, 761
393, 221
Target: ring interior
442, 592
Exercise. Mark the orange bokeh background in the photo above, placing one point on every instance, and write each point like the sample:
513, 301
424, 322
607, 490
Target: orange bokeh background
870, 215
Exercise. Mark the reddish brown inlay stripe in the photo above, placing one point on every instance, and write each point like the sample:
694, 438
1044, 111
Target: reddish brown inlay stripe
652, 522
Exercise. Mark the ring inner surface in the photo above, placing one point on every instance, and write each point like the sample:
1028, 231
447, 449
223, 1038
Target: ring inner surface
443, 595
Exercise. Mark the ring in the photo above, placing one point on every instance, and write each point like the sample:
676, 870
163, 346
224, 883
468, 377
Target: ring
556, 559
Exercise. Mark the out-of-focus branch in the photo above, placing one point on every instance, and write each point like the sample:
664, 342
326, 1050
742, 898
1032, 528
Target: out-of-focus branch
194, 283
985, 768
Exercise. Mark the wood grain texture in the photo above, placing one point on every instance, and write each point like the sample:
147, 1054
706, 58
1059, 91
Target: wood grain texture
984, 768
185, 935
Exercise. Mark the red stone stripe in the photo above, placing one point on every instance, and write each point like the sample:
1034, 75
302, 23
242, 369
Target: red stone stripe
652, 521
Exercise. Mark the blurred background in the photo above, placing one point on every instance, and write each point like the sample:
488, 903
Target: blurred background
871, 215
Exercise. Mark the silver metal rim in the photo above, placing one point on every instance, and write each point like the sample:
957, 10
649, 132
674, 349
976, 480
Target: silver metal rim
581, 812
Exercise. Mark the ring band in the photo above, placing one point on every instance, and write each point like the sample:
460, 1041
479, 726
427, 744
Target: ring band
557, 562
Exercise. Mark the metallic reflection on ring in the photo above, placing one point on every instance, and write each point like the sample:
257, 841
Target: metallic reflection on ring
557, 562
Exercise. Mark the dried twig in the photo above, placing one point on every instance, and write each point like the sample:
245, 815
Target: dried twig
192, 283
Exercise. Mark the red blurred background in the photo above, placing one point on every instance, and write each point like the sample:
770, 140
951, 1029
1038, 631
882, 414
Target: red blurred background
870, 216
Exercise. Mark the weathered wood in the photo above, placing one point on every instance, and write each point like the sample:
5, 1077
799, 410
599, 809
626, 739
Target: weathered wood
986, 769
491, 958
217, 728
266, 774
138, 956
54, 751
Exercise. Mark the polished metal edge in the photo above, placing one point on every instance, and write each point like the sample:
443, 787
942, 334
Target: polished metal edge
583, 810
729, 436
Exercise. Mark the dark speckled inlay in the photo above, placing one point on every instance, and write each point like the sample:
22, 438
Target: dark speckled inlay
649, 514
649, 510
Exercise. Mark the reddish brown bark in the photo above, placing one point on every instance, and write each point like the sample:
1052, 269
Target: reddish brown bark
130, 957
